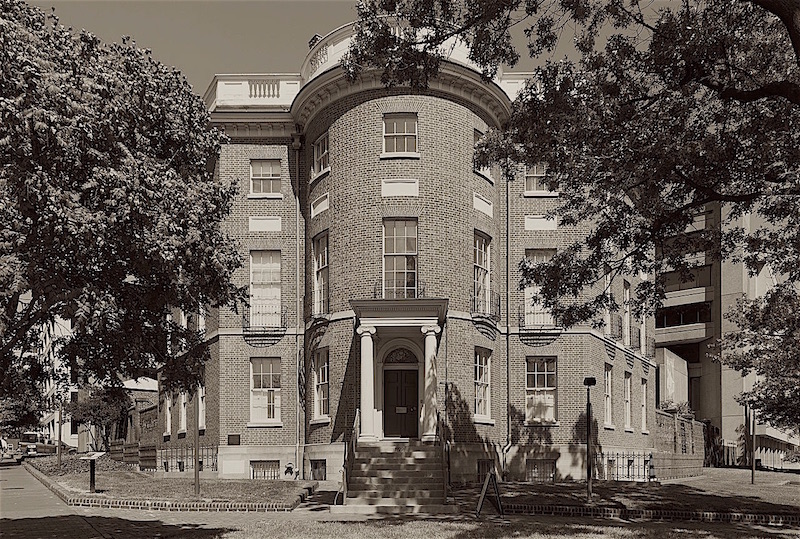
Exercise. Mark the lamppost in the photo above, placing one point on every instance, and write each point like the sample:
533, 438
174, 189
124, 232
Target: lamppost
589, 381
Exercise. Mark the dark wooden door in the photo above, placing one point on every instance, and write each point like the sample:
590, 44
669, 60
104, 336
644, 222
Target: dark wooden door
400, 402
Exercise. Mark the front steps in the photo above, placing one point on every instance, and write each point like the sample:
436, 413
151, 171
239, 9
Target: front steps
396, 478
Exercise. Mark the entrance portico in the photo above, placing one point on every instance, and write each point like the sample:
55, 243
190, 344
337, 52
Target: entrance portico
398, 350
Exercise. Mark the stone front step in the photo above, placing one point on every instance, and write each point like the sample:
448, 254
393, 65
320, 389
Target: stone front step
429, 509
396, 494
393, 479
396, 470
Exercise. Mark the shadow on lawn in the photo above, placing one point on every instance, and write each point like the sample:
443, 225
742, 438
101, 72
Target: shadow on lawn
83, 527
493, 526
637, 496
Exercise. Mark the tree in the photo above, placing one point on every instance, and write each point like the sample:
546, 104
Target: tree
659, 115
109, 212
102, 408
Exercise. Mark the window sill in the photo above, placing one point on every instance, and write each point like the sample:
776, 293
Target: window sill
647, 432
609, 426
484, 174
535, 423
319, 175
320, 421
400, 155
265, 195
267, 424
166, 437
201, 431
541, 194
181, 434
628, 429
483, 421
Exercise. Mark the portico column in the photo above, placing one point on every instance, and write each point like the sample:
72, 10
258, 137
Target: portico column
367, 384
431, 383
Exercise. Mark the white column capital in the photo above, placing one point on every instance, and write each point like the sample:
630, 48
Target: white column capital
427, 330
363, 330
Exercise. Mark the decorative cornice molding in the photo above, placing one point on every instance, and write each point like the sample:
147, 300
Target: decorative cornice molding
453, 79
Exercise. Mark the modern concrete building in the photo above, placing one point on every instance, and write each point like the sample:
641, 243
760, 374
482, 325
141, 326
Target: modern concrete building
691, 321
385, 305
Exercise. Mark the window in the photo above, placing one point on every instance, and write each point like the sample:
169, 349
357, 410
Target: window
681, 315
321, 395
265, 288
644, 404
627, 400
168, 415
609, 417
535, 313
73, 425
484, 171
265, 177
201, 321
182, 419
482, 382
535, 179
321, 158
201, 404
265, 390
399, 258
701, 276
626, 313
321, 274
482, 284
540, 389
400, 133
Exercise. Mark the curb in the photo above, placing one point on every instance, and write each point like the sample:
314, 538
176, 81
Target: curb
654, 514
159, 505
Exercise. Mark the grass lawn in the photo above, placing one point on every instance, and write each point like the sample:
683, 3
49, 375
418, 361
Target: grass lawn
718, 489
115, 480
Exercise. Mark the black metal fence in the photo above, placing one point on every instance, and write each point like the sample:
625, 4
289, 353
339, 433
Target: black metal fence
624, 466
181, 459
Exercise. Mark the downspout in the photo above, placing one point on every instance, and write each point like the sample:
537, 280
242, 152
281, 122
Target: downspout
296, 145
507, 447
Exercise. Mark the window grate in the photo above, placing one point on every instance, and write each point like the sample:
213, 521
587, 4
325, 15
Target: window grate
485, 466
265, 469
540, 470
319, 470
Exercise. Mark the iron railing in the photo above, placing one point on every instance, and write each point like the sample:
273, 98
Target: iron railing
263, 314
636, 341
531, 316
416, 291
350, 447
485, 303
624, 466
440, 441
181, 459
614, 330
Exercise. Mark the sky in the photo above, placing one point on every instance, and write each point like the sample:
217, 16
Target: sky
205, 37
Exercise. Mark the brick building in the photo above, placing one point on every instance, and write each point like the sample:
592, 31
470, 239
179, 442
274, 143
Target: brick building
383, 275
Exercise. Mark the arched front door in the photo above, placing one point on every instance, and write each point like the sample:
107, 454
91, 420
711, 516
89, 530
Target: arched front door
401, 394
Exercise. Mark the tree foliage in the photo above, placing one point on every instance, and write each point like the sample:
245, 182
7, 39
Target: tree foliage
109, 212
103, 409
659, 115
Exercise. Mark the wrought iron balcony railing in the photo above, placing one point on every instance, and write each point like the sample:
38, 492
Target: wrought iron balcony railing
379, 291
485, 303
535, 316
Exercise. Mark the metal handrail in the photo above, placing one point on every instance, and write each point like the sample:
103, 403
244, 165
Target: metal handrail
350, 446
442, 445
